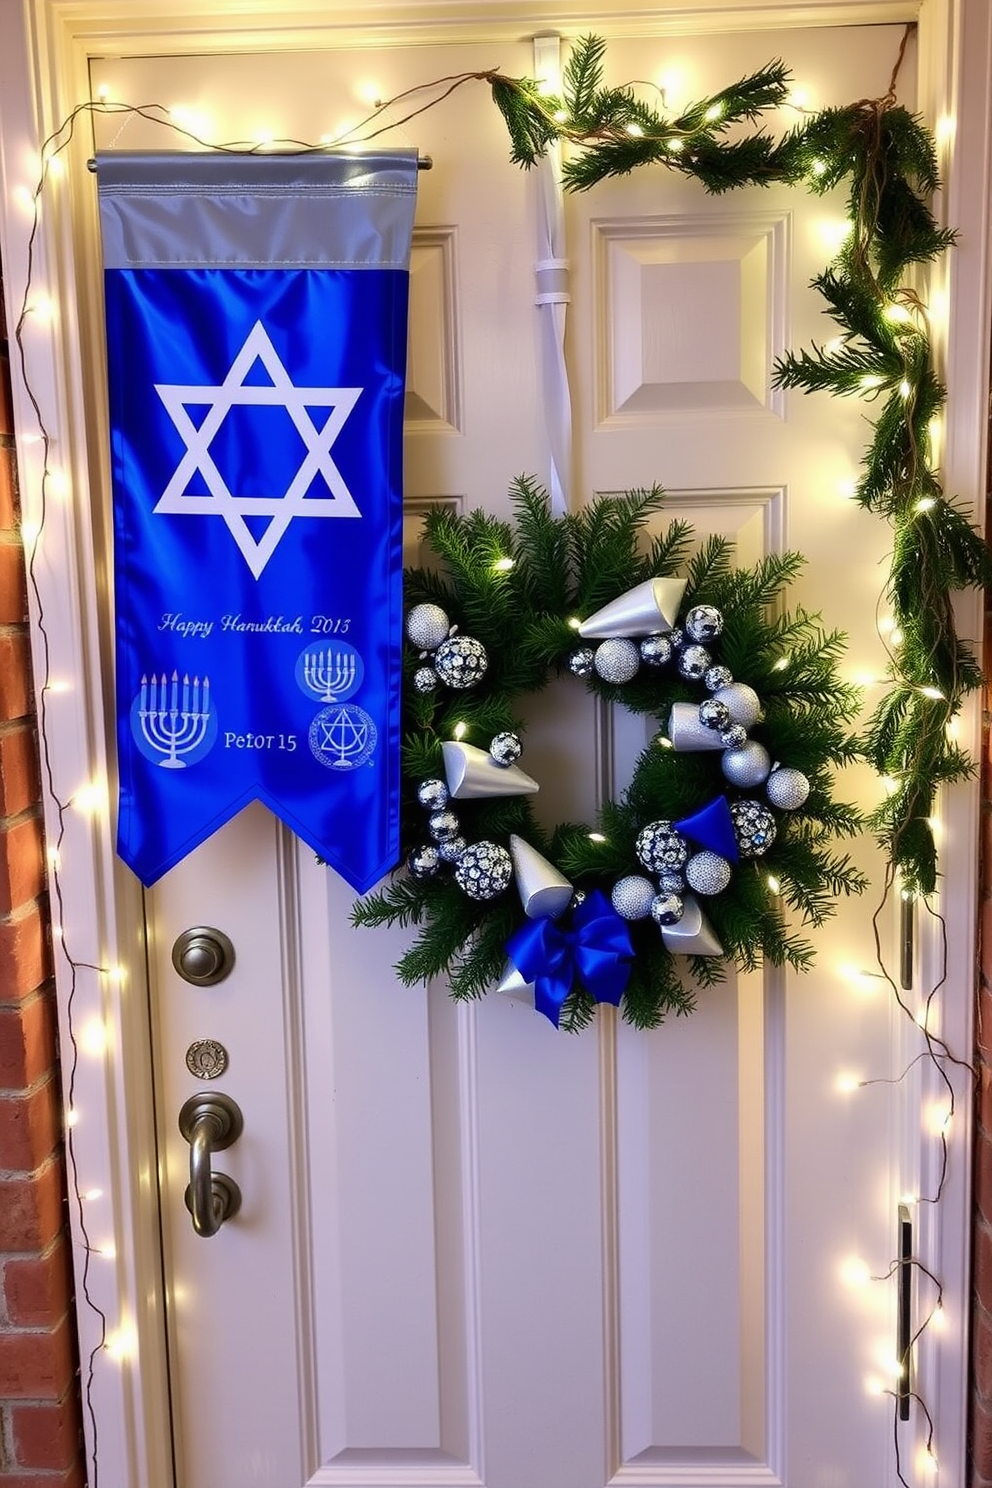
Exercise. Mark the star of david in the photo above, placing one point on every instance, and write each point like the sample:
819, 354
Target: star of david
282, 393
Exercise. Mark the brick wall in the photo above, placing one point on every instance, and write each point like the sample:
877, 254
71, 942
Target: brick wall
39, 1386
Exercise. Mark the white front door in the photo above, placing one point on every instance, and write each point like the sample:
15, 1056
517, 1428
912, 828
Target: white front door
472, 1250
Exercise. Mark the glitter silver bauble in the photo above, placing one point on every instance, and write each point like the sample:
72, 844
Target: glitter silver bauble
656, 650
424, 862
718, 676
677, 638
483, 870
452, 849
671, 882
580, 662
754, 828
617, 660
443, 825
506, 748
632, 897
743, 702
667, 909
734, 736
704, 623
746, 766
425, 679
787, 789
426, 626
432, 794
707, 872
461, 661
694, 663
660, 848
713, 714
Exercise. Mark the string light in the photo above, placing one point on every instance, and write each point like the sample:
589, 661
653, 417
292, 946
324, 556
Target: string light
596, 837
92, 1194
460, 730
503, 565
93, 1037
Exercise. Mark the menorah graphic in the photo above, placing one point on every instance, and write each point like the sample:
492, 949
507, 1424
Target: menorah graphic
174, 721
330, 674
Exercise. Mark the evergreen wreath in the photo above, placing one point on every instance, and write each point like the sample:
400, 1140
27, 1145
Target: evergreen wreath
731, 804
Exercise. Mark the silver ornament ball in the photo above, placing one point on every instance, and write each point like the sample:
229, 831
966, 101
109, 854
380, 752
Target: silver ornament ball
787, 789
694, 663
677, 637
656, 650
660, 848
707, 872
424, 862
461, 661
704, 623
452, 848
443, 825
426, 626
432, 794
632, 897
743, 702
734, 736
754, 828
747, 766
425, 679
617, 660
667, 909
483, 870
713, 714
506, 748
671, 882
718, 676
580, 662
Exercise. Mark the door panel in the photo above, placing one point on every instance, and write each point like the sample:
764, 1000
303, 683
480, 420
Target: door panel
473, 1250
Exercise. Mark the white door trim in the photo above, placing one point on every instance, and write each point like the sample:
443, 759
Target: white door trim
43, 72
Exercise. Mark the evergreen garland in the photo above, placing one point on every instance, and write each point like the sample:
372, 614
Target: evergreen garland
883, 352
520, 589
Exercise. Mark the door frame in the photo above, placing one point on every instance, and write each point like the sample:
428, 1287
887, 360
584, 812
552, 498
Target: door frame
97, 904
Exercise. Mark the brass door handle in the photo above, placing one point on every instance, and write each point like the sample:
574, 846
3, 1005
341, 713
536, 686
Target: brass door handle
210, 1121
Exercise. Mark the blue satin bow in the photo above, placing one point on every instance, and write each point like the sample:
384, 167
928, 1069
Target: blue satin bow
596, 951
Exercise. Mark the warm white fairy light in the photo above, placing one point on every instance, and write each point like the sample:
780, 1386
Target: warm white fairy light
834, 345
103, 92
72, 1118
30, 531
945, 128
41, 308
855, 1272
25, 199
460, 730
819, 167
675, 145
925, 504
90, 798
846, 1083
773, 884
596, 837
848, 488
92, 1194
714, 112
574, 622
122, 1343
834, 232
117, 974
905, 388
635, 130
934, 693
59, 684
369, 93
897, 314
92, 1037
871, 380
503, 565
874, 1385
664, 742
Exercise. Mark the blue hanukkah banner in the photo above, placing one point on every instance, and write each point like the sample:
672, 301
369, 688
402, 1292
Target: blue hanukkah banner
256, 312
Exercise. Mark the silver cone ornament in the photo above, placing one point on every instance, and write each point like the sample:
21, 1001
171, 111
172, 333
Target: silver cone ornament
542, 889
687, 730
693, 934
473, 774
650, 607
512, 984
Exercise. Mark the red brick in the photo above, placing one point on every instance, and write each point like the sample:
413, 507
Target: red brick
22, 863
15, 669
981, 1439
31, 1211
37, 1366
20, 786
38, 1289
981, 1353
9, 502
25, 962
73, 1477
982, 1263
6, 402
13, 588
983, 1175
27, 1042
30, 1128
983, 1021
46, 1435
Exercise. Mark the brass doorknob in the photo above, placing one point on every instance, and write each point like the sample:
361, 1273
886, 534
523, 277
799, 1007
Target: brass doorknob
203, 955
210, 1121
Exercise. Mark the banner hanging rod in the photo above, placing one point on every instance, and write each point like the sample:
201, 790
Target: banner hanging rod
424, 162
